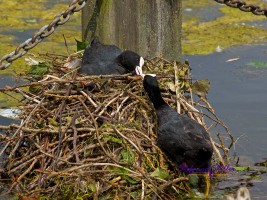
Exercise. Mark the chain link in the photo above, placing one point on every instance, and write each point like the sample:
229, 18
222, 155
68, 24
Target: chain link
45, 31
242, 5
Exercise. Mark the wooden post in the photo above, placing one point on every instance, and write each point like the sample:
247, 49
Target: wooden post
149, 27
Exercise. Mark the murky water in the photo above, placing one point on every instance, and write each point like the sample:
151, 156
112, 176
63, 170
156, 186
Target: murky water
239, 95
204, 14
9, 80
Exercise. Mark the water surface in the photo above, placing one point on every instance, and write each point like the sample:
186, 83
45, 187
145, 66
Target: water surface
239, 96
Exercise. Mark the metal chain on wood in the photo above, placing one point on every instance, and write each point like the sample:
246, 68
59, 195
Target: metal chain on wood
45, 31
242, 5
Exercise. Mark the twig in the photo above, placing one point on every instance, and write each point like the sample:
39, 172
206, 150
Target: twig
75, 139
143, 189
177, 88
96, 130
58, 116
66, 45
127, 139
171, 182
225, 150
22, 124
217, 152
103, 164
22, 175
27, 96
89, 98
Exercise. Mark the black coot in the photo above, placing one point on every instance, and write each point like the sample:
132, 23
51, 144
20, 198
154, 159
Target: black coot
182, 139
100, 59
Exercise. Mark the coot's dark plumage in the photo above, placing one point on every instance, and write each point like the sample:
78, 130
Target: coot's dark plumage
182, 139
100, 59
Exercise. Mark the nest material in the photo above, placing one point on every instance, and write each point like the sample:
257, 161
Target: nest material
97, 143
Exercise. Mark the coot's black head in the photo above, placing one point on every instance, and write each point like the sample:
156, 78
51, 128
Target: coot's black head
152, 89
130, 60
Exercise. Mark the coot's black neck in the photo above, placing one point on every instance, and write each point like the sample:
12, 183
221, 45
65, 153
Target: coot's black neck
155, 97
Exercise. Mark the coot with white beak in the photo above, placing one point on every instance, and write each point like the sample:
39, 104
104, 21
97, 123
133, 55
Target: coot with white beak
100, 59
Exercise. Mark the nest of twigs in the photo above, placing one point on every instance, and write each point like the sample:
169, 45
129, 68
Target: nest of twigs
95, 136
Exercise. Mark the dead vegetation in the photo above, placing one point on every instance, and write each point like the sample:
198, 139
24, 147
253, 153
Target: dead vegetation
95, 136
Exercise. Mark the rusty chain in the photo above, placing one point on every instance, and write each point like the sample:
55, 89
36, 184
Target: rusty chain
242, 5
45, 31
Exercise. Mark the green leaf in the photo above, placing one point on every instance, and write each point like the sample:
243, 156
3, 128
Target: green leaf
160, 173
201, 87
130, 179
127, 156
118, 170
35, 89
124, 174
40, 125
244, 168
92, 187
39, 70
256, 64
108, 138
135, 194
193, 179
81, 45
52, 122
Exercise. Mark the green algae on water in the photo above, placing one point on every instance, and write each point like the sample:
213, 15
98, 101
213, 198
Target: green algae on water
229, 30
